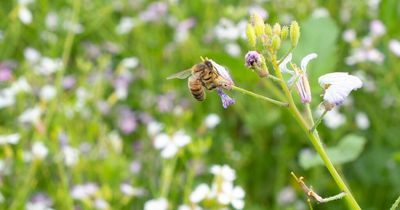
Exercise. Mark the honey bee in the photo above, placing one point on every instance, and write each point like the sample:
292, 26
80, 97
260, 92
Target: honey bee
207, 74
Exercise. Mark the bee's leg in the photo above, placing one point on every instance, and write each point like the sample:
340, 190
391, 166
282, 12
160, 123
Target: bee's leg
211, 86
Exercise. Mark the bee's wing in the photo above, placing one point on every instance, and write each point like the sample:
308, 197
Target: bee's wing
181, 75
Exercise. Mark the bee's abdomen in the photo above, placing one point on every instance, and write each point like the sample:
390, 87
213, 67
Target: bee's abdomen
196, 88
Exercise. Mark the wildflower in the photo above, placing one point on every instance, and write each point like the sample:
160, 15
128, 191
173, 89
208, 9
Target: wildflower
212, 120
182, 29
228, 82
233, 49
377, 28
349, 35
135, 167
51, 20
362, 120
226, 100
127, 121
125, 25
39, 150
84, 191
286, 196
47, 66
32, 55
68, 82
168, 145
5, 72
302, 84
155, 11
191, 207
227, 30
224, 171
156, 204
394, 46
24, 14
334, 119
130, 191
338, 86
71, 155
130, 63
231, 195
31, 115
154, 128
39, 202
9, 139
255, 61
101, 204
48, 92
201, 192
258, 10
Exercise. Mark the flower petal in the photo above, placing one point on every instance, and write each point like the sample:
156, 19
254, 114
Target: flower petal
305, 60
226, 100
161, 140
222, 71
181, 139
283, 65
169, 151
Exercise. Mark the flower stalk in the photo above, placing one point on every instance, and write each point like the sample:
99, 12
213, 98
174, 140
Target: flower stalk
276, 102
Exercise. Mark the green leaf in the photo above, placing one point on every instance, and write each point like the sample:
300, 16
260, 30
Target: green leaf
348, 149
318, 35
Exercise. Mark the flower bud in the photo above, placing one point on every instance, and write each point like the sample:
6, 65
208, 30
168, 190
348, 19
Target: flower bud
284, 33
251, 35
277, 29
256, 62
268, 29
276, 42
294, 33
258, 24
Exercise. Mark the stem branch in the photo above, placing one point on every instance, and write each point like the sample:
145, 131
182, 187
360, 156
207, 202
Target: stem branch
276, 102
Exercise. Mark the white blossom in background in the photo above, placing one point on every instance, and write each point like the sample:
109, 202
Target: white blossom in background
115, 141
20, 86
7, 98
7, 95
169, 145
349, 35
286, 196
368, 81
333, 119
224, 171
227, 30
32, 55
233, 49
125, 25
130, 63
362, 120
48, 92
51, 20
258, 10
39, 150
156, 204
101, 204
10, 139
47, 66
201, 192
37, 206
377, 28
84, 191
154, 128
131, 191
394, 47
320, 12
77, 28
31, 115
338, 86
212, 120
24, 14
231, 195
71, 155
191, 207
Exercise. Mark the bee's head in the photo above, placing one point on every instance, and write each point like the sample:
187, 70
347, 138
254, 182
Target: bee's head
208, 64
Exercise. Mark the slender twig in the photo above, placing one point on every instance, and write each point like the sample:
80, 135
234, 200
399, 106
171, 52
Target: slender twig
276, 102
273, 78
319, 120
395, 204
286, 55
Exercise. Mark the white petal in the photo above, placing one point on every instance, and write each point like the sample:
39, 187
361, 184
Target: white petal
199, 193
223, 198
181, 139
238, 192
169, 151
228, 173
238, 204
215, 169
283, 65
212, 120
305, 60
161, 140
25, 15
340, 78
222, 71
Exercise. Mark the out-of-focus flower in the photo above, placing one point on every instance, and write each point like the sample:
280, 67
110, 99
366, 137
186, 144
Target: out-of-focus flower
320, 12
156, 204
226, 30
224, 171
51, 20
201, 192
394, 46
165, 102
130, 63
32, 55
135, 167
231, 195
362, 120
333, 119
258, 10
286, 196
125, 25
169, 145
101, 204
76, 28
68, 82
233, 49
9, 139
182, 29
48, 92
39, 202
130, 191
21, 85
338, 86
115, 141
127, 122
154, 128
24, 14
191, 207
47, 66
84, 191
349, 35
226, 100
31, 115
377, 28
71, 155
212, 120
5, 72
39, 150
156, 11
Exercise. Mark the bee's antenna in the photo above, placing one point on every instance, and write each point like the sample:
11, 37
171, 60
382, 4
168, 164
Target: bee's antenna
202, 59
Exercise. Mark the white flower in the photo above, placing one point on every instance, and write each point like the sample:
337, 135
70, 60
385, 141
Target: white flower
31, 115
349, 35
394, 46
48, 66
156, 204
286, 196
154, 128
201, 192
223, 72
169, 146
191, 207
48, 92
101, 204
130, 63
39, 150
224, 171
115, 141
130, 191
226, 30
37, 206
51, 20
71, 155
212, 120
32, 55
333, 119
338, 86
7, 98
125, 25
231, 195
377, 28
21, 85
233, 49
82, 192
362, 120
9, 139
24, 15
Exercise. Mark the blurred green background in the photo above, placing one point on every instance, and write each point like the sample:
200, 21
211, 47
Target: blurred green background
107, 64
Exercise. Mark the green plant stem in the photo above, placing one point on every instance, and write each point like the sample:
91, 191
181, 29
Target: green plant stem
168, 174
315, 140
395, 204
276, 102
315, 125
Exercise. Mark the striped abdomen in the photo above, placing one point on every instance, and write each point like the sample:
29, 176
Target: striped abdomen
196, 88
